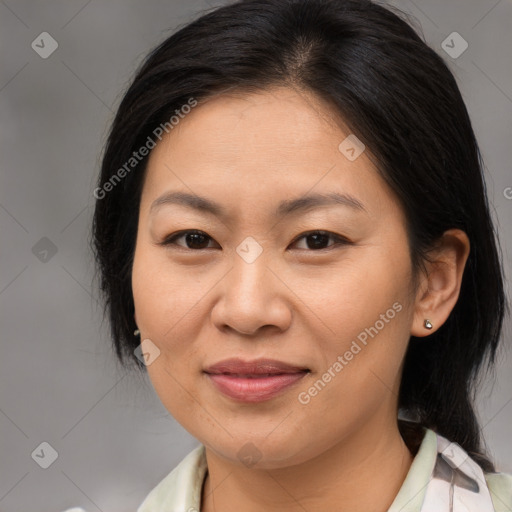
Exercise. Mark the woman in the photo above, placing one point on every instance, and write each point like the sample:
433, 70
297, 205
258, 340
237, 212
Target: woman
293, 238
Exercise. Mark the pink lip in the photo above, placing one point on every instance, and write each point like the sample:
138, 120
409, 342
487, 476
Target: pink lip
255, 388
253, 381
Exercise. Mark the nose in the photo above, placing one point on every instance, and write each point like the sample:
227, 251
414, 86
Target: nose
252, 297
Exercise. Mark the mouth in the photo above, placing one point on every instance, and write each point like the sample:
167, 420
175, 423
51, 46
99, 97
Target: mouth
254, 381
254, 388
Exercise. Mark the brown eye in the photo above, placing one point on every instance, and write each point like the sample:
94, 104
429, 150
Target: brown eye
194, 239
318, 240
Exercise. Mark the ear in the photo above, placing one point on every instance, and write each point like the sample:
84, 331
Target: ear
439, 287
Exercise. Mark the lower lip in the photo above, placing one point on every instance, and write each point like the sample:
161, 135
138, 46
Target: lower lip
256, 389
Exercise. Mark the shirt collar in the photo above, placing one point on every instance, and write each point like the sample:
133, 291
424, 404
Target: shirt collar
182, 488
412, 493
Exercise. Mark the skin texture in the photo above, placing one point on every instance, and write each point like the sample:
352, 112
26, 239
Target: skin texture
295, 303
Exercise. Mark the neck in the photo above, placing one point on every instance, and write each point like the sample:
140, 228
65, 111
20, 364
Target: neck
337, 479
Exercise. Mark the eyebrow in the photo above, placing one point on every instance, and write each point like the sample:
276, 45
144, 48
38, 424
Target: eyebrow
286, 207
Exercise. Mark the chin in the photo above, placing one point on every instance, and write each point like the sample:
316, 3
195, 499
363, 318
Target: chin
259, 452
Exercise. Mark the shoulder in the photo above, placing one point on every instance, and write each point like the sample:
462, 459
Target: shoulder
444, 471
500, 487
466, 472
181, 488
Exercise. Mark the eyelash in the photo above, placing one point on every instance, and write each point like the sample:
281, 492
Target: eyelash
339, 240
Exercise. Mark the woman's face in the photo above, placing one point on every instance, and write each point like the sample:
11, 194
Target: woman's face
335, 306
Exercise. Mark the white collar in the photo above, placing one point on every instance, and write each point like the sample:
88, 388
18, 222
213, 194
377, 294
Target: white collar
442, 478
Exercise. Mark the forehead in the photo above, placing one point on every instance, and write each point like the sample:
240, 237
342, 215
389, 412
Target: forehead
283, 122
255, 148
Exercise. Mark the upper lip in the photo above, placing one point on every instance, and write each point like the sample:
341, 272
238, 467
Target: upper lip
256, 367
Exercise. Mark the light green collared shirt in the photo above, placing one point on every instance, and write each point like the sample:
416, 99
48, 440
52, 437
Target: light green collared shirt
180, 490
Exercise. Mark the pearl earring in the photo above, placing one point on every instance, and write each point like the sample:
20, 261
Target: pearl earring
428, 324
136, 332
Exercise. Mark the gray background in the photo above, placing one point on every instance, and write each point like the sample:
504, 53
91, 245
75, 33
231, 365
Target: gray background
59, 380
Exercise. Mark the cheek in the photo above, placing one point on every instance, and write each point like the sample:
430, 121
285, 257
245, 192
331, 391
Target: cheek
162, 294
367, 308
359, 293
170, 313
164, 301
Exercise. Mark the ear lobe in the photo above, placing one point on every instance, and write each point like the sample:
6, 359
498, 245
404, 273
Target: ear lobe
439, 288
